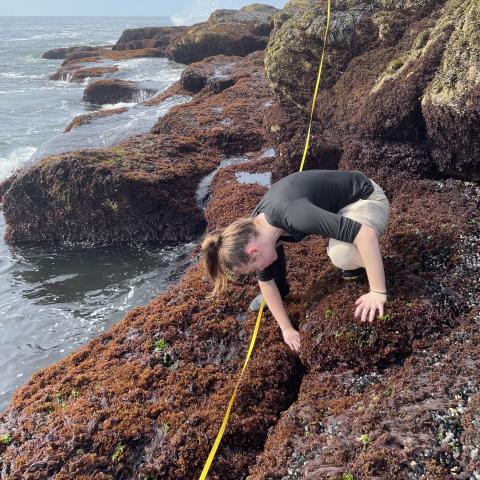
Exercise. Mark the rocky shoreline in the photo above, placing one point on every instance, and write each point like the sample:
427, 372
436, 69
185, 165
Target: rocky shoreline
396, 399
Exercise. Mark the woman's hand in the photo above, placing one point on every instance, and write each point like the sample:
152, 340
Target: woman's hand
368, 304
292, 338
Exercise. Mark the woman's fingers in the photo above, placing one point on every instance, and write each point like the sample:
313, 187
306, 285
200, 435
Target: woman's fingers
368, 312
295, 343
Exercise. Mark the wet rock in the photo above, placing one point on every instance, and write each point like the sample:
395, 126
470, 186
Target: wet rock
5, 185
450, 105
81, 74
285, 126
295, 45
90, 117
175, 89
409, 425
114, 91
74, 67
384, 69
214, 73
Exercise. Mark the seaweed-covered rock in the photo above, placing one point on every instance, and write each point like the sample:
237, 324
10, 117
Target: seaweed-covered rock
388, 82
397, 398
228, 32
213, 73
129, 194
81, 74
417, 420
147, 397
295, 45
90, 117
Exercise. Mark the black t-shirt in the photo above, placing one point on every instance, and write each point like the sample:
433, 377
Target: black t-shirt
305, 203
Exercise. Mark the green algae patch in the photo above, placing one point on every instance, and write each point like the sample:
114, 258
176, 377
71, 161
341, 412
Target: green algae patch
118, 453
398, 65
5, 439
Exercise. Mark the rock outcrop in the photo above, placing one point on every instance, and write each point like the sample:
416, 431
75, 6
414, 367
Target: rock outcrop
127, 194
227, 32
78, 64
389, 81
90, 117
147, 37
59, 53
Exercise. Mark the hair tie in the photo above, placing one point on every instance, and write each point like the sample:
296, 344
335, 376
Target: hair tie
218, 242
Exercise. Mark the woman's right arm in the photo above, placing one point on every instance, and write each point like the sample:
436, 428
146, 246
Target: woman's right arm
275, 304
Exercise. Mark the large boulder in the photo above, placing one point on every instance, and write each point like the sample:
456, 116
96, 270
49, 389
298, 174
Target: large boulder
147, 37
214, 73
228, 32
114, 91
128, 194
295, 45
451, 103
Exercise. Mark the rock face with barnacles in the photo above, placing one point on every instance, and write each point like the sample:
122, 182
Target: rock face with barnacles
402, 80
398, 398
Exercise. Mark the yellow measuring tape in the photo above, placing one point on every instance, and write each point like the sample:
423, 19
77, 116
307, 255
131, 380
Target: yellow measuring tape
208, 463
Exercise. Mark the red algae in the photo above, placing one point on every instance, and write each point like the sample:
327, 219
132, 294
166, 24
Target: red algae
397, 398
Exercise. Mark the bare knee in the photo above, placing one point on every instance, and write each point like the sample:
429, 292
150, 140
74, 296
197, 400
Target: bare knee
345, 256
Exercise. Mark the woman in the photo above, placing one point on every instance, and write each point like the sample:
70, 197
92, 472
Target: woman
348, 207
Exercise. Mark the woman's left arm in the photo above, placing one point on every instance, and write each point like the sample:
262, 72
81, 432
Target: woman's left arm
367, 244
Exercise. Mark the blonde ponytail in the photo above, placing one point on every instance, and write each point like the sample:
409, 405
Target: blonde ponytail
224, 249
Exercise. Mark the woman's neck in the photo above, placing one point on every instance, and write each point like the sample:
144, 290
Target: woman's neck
267, 230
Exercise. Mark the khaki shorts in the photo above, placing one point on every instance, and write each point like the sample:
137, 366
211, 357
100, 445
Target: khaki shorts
374, 211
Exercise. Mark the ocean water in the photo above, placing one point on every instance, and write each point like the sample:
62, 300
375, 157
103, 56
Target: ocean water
54, 300
33, 108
